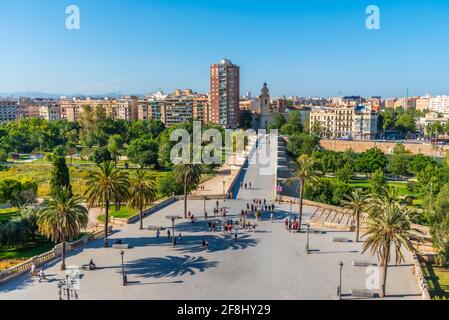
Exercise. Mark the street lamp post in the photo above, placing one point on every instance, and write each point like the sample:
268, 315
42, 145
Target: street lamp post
205, 213
308, 236
290, 215
122, 253
66, 289
173, 218
340, 264
224, 191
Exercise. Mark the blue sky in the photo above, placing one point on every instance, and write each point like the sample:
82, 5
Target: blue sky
307, 48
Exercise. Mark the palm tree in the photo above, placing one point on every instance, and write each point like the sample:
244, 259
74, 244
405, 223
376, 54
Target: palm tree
389, 227
142, 192
105, 185
189, 175
356, 202
62, 218
304, 174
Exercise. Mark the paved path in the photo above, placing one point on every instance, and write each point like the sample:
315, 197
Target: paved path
268, 264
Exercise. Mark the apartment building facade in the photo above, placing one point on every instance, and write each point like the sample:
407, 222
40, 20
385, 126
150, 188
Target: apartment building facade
201, 109
71, 108
439, 104
176, 109
50, 112
225, 94
345, 122
8, 110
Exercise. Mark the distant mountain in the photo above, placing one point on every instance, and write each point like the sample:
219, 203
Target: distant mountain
30, 94
37, 94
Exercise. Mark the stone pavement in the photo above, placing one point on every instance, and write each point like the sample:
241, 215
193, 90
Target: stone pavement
269, 264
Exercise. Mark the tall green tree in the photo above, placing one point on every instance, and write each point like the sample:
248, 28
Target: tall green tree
439, 225
143, 192
104, 185
189, 175
59, 176
399, 162
378, 182
356, 202
62, 218
304, 174
387, 230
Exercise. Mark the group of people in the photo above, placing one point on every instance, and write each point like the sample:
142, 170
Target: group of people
191, 217
292, 224
246, 185
40, 273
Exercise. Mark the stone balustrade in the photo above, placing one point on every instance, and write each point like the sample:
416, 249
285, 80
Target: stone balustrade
25, 266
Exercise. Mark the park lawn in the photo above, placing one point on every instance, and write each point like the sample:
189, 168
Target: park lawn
123, 213
366, 184
13, 256
8, 214
438, 280
40, 170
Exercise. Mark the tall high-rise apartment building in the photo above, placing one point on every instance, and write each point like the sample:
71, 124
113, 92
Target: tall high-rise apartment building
225, 94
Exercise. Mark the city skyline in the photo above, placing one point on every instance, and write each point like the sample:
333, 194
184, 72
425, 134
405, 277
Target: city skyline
319, 48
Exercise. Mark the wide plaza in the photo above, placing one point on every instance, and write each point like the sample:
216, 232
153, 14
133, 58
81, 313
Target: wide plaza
271, 263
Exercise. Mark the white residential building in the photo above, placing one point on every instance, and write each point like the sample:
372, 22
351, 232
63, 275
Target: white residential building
8, 110
439, 104
50, 112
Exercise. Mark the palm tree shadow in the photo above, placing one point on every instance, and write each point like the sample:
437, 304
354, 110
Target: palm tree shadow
216, 243
170, 266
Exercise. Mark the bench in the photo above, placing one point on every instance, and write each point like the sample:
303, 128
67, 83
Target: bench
317, 231
120, 246
362, 293
357, 263
337, 239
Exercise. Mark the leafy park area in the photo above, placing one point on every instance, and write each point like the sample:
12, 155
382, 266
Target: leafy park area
402, 186
56, 170
120, 213
438, 280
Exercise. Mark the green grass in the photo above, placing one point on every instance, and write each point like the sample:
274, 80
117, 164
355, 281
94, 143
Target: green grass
12, 256
8, 214
39, 171
123, 213
438, 280
366, 184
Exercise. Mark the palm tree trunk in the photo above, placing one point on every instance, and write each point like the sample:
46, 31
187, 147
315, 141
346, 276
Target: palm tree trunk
301, 197
185, 198
106, 223
141, 218
63, 255
385, 268
357, 226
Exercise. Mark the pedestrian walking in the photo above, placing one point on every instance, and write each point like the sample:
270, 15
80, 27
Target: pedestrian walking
33, 269
272, 217
168, 234
158, 234
207, 245
236, 232
180, 237
42, 275
246, 186
203, 243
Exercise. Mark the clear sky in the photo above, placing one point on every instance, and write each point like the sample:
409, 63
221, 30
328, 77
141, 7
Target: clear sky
306, 48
